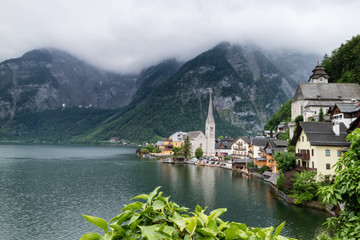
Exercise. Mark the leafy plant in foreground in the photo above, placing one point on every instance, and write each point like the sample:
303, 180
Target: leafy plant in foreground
158, 218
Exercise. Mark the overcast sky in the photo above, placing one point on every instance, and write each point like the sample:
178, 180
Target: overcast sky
127, 35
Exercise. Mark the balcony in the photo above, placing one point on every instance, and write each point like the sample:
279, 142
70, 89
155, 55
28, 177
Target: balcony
303, 156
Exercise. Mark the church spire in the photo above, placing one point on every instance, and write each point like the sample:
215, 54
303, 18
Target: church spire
210, 117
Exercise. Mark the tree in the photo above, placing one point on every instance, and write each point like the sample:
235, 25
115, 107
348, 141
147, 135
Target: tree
321, 115
186, 147
346, 190
176, 150
298, 119
199, 152
305, 186
221, 137
285, 161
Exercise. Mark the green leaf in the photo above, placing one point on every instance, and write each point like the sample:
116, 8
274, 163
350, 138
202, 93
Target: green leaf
121, 217
99, 222
152, 195
141, 196
158, 205
134, 218
91, 236
133, 206
279, 228
216, 213
150, 232
178, 220
191, 226
207, 232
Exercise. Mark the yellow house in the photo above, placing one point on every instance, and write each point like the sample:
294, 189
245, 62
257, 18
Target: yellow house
175, 140
319, 145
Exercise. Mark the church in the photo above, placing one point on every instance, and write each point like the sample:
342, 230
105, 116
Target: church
205, 142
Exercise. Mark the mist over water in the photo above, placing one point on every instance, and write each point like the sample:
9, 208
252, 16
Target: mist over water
44, 190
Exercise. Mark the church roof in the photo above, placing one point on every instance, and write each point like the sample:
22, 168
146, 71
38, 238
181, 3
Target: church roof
327, 91
193, 134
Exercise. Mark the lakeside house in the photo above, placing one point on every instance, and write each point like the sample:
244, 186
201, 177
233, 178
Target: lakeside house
319, 145
272, 147
240, 147
223, 147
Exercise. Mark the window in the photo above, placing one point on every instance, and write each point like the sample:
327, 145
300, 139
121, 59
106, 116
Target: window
312, 152
302, 138
338, 153
327, 152
328, 166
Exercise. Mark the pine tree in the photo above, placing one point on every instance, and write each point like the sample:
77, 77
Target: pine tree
186, 147
321, 115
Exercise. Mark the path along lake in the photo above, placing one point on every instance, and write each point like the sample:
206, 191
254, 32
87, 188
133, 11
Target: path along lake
44, 190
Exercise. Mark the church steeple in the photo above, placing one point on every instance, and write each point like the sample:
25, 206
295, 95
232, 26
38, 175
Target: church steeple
319, 75
210, 117
210, 130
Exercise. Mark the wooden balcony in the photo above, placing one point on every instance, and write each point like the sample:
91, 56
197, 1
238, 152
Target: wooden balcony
303, 156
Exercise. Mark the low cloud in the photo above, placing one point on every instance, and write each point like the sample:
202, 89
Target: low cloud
128, 35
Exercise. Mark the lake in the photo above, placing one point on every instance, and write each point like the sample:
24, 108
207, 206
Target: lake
44, 190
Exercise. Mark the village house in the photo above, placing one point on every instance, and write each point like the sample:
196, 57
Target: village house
319, 145
272, 147
345, 113
223, 146
178, 139
240, 147
256, 153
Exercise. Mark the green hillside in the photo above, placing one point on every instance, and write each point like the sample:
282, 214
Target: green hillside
343, 66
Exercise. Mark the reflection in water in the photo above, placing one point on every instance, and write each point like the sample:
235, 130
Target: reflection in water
45, 189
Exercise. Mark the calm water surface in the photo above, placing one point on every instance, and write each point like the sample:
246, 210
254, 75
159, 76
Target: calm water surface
44, 190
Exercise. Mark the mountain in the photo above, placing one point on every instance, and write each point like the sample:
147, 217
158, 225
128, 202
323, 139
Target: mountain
45, 79
248, 90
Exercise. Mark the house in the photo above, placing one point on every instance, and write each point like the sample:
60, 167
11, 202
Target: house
319, 145
282, 127
167, 146
223, 146
240, 147
178, 139
256, 153
345, 113
272, 147
310, 97
197, 139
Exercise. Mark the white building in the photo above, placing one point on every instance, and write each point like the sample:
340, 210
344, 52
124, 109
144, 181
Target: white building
318, 93
240, 147
197, 139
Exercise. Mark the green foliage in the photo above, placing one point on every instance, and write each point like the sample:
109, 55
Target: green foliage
305, 186
251, 165
290, 148
152, 149
285, 161
321, 115
156, 217
346, 190
344, 64
144, 150
311, 118
283, 136
298, 119
186, 147
282, 115
199, 153
280, 182
264, 168
176, 151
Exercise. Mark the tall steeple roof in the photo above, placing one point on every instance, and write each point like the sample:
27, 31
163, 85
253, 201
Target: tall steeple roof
319, 74
210, 117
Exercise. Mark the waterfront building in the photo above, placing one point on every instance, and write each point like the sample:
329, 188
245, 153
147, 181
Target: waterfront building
272, 147
223, 146
319, 145
240, 147
198, 140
